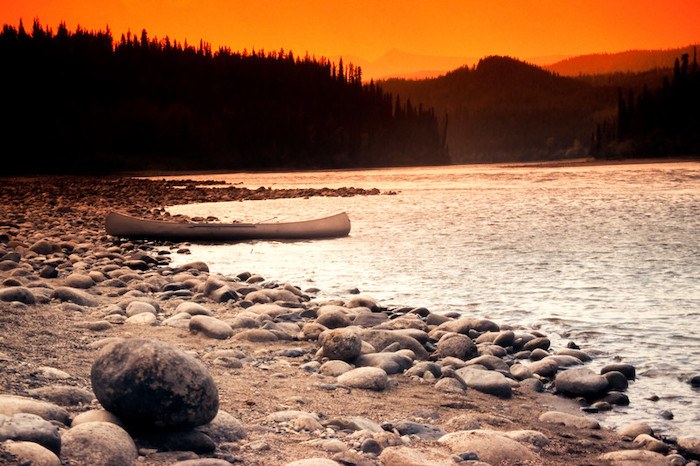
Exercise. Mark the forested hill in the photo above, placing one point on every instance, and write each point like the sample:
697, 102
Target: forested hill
506, 110
631, 61
81, 102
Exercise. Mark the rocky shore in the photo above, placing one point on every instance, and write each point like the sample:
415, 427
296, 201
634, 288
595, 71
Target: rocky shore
111, 356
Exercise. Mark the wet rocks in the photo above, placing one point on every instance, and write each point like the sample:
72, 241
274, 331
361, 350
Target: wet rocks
694, 381
581, 382
627, 370
151, 383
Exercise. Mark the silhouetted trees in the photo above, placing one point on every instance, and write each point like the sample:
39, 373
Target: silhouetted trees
659, 122
82, 102
503, 110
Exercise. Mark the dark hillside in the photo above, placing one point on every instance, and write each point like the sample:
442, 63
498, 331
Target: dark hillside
507, 110
632, 61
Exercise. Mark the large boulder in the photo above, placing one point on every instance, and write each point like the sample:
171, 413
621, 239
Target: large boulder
150, 383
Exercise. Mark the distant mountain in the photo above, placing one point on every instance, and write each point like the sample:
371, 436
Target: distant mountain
403, 65
508, 110
399, 64
632, 61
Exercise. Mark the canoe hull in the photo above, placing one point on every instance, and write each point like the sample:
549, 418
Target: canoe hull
117, 224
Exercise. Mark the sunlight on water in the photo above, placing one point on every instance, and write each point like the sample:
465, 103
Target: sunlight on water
605, 256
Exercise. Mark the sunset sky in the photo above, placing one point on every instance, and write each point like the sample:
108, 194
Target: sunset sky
368, 29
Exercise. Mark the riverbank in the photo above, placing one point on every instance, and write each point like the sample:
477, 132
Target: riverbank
284, 402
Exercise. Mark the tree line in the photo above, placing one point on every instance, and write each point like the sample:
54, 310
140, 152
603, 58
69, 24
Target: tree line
81, 102
656, 122
506, 110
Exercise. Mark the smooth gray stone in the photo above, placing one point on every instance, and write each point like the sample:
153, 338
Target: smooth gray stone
334, 368
490, 382
30, 428
490, 362
581, 381
30, 453
492, 447
74, 295
63, 395
140, 307
17, 293
391, 363
569, 420
43, 247
193, 309
370, 378
79, 280
224, 428
627, 370
13, 404
210, 327
423, 431
380, 339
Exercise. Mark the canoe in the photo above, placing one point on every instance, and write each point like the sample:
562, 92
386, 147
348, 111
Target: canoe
118, 224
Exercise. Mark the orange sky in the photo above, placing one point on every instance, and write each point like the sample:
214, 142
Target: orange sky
368, 29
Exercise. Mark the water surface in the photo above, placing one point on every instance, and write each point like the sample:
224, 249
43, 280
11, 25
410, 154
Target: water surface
605, 256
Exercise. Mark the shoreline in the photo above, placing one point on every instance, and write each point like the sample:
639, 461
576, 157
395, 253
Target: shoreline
563, 163
268, 363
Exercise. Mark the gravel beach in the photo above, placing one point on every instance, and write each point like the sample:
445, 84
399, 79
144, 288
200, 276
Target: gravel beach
110, 356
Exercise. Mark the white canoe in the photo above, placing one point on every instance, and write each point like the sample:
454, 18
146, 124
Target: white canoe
117, 224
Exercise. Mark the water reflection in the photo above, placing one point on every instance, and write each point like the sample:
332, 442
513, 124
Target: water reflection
605, 256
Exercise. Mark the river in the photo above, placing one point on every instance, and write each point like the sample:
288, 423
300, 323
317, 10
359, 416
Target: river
605, 256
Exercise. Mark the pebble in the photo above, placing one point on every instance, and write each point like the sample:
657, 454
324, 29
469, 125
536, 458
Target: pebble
224, 428
13, 404
490, 382
210, 327
405, 456
341, 344
17, 293
74, 295
580, 382
369, 378
490, 446
63, 395
634, 429
634, 457
391, 363
31, 453
690, 444
30, 428
627, 370
569, 420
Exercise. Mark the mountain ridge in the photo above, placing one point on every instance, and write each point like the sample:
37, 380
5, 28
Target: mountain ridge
405, 65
